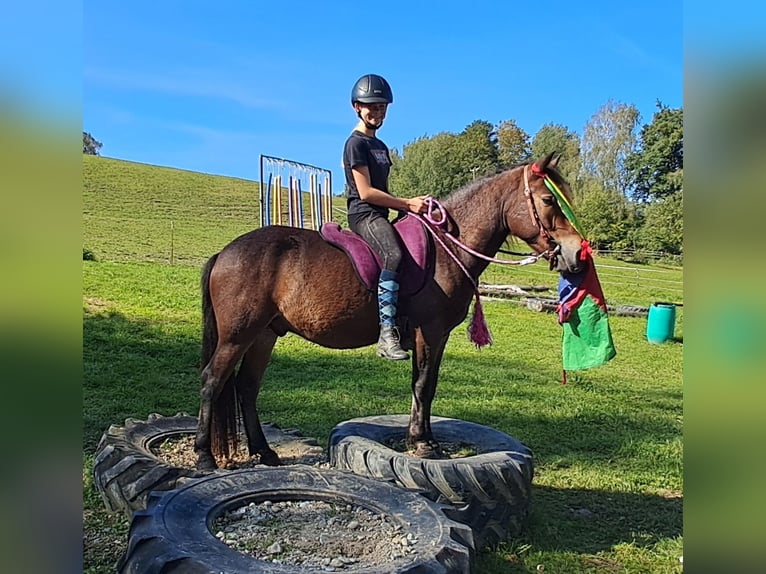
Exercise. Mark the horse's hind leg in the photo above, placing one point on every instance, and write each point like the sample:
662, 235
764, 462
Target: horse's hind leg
214, 377
248, 382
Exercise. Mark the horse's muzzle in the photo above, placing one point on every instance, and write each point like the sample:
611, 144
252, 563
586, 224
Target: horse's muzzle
553, 257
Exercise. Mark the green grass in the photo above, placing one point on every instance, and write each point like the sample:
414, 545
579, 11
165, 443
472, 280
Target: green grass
607, 493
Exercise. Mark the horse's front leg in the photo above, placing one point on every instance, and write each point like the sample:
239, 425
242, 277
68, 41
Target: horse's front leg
426, 359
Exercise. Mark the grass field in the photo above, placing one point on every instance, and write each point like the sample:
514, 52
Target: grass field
608, 488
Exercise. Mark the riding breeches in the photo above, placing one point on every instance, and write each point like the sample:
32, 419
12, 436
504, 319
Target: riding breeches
382, 237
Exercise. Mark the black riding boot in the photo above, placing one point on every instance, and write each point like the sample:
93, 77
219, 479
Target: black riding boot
388, 296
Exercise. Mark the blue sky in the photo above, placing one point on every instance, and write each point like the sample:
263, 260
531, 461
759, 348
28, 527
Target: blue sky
208, 87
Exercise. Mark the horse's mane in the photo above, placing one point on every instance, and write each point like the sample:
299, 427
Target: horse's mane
459, 195
468, 190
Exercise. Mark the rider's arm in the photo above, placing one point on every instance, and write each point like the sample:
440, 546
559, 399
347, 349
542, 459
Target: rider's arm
378, 197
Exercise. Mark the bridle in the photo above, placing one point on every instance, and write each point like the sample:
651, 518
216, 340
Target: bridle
431, 222
477, 330
531, 202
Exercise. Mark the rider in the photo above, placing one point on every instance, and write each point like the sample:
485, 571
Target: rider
366, 163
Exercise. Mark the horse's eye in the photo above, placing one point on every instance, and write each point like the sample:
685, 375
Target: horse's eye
549, 201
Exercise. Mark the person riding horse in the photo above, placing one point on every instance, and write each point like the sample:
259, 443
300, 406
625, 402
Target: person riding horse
366, 163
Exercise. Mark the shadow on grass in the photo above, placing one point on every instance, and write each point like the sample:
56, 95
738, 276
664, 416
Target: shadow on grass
587, 522
590, 521
133, 368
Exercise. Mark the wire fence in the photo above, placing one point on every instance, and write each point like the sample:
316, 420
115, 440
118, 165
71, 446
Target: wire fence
668, 282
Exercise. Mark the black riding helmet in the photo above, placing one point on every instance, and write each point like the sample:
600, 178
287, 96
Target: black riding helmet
372, 89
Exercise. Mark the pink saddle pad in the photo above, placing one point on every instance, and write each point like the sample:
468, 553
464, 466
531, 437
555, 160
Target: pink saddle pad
367, 264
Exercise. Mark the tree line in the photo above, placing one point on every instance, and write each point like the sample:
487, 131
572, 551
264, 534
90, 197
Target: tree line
90, 145
627, 178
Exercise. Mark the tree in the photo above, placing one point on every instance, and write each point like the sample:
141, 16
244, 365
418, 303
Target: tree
513, 144
607, 216
424, 167
663, 228
90, 146
608, 139
656, 168
437, 165
477, 152
557, 138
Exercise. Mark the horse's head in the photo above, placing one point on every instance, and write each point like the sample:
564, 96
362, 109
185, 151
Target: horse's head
547, 230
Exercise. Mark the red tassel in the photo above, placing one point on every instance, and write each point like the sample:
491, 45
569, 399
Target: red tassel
478, 331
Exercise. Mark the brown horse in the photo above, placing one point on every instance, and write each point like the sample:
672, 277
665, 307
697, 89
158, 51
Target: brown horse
276, 280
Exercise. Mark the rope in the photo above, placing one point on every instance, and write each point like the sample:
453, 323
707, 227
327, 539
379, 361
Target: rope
430, 221
478, 332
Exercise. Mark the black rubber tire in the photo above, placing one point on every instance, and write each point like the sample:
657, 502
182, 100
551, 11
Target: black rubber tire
126, 470
490, 491
172, 534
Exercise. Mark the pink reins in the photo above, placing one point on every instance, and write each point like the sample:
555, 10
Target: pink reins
478, 332
430, 222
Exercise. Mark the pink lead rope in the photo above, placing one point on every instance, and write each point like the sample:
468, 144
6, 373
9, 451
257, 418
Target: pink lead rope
478, 331
429, 219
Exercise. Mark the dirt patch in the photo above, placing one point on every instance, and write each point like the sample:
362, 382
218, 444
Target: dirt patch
179, 451
449, 449
315, 536
94, 306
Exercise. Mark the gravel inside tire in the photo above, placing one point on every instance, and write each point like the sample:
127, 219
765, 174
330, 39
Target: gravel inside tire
489, 491
126, 469
172, 535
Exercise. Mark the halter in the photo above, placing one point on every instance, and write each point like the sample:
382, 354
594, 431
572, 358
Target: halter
477, 330
430, 221
531, 202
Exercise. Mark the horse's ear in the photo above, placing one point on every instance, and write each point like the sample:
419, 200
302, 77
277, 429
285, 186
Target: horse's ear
538, 168
554, 163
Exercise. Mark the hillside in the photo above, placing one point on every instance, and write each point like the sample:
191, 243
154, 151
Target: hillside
140, 212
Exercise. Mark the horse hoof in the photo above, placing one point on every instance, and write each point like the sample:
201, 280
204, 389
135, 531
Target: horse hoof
429, 450
270, 458
206, 463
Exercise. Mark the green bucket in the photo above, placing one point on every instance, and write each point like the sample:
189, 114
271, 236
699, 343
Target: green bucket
661, 323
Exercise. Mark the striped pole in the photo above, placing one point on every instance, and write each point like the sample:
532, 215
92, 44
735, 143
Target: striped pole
261, 208
328, 198
266, 204
278, 198
300, 202
312, 205
290, 202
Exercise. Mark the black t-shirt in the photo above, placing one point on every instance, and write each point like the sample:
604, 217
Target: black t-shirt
361, 150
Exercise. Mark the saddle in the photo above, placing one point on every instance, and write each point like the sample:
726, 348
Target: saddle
416, 262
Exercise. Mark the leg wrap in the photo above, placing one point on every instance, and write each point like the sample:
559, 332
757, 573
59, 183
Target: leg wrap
388, 296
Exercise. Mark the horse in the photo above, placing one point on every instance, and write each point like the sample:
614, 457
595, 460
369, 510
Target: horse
277, 280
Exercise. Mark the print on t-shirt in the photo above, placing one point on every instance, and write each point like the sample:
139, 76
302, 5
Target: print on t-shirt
380, 155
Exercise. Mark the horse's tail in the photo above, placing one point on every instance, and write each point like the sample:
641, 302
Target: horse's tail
225, 407
209, 325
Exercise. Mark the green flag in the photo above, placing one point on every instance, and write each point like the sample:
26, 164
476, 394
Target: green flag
587, 339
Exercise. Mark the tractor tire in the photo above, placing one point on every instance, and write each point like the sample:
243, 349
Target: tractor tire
490, 491
126, 470
172, 534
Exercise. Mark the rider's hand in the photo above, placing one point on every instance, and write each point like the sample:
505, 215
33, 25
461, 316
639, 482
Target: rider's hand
417, 204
